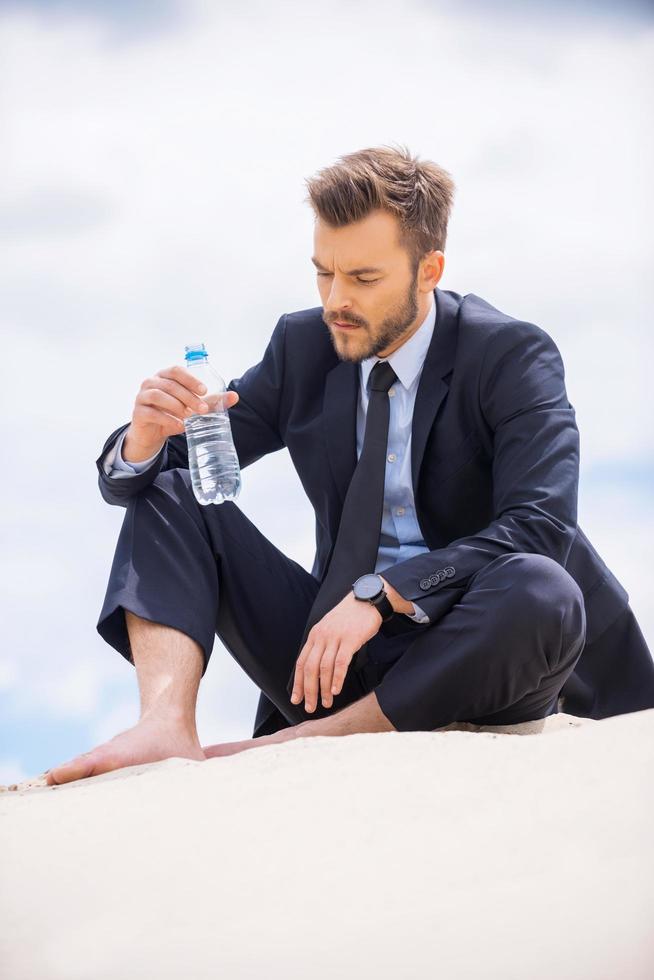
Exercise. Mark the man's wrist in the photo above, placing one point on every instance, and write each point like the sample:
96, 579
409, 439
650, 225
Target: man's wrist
133, 452
399, 604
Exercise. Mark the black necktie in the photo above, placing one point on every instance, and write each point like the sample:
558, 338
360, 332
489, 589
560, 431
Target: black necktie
357, 541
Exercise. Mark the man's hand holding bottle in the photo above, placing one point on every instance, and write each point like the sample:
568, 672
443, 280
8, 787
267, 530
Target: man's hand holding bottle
162, 404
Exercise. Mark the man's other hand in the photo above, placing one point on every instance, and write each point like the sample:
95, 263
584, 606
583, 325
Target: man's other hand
330, 646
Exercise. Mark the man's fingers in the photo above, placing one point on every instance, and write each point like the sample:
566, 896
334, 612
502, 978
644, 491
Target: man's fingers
298, 685
341, 665
327, 672
311, 677
298, 682
320, 670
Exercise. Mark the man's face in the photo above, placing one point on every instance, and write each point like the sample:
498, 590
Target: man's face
365, 279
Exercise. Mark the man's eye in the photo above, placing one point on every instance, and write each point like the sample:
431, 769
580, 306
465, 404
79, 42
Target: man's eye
368, 282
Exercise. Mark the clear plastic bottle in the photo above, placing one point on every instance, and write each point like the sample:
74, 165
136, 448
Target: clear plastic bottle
213, 463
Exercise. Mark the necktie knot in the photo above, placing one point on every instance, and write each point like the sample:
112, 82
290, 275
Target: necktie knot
381, 377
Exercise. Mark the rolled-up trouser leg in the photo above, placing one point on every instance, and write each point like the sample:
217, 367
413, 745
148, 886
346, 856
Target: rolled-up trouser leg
207, 571
499, 656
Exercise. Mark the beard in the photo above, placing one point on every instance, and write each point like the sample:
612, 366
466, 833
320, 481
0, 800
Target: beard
392, 327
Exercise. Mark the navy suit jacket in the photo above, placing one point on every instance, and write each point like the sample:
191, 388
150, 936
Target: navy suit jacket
494, 462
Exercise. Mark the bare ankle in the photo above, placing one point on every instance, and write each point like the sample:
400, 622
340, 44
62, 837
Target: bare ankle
171, 719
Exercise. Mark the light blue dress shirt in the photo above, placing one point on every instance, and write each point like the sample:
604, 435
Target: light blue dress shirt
400, 536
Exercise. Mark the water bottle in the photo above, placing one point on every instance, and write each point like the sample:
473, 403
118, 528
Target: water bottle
212, 460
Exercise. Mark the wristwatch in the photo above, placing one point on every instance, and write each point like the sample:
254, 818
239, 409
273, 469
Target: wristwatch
370, 588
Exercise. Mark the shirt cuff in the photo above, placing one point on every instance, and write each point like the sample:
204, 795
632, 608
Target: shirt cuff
115, 466
419, 616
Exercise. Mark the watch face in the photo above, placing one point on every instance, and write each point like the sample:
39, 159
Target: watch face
368, 586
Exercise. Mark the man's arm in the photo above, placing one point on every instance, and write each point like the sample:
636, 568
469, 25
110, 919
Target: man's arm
254, 420
523, 399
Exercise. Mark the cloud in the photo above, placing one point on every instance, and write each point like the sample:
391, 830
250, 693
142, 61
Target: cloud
122, 20
52, 212
581, 14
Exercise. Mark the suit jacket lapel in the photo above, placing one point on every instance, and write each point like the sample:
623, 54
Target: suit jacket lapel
340, 421
432, 389
342, 392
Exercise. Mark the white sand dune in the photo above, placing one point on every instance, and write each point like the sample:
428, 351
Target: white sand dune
521, 853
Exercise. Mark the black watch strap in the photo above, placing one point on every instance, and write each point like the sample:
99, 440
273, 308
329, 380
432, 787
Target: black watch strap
383, 604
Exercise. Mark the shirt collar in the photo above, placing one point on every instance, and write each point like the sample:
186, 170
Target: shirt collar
408, 359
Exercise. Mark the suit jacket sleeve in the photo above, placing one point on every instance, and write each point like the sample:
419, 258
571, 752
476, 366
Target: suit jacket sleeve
115, 466
254, 422
523, 401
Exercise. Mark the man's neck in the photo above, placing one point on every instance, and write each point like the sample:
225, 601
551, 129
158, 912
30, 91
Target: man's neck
413, 329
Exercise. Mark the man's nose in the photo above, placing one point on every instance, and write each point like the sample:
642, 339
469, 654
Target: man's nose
338, 300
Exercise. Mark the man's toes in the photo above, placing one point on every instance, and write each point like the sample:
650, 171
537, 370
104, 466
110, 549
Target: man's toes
78, 768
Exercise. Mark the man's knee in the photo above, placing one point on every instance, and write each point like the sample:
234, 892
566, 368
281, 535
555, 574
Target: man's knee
168, 479
174, 486
167, 499
543, 591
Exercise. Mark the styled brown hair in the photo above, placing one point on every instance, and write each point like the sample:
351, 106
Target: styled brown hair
418, 192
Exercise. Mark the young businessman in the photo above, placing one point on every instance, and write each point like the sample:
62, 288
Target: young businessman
434, 438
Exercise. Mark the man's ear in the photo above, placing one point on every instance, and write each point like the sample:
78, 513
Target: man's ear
431, 272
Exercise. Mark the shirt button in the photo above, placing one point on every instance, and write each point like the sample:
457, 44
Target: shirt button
392, 457
400, 511
391, 391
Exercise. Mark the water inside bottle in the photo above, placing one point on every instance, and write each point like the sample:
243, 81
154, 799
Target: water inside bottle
212, 459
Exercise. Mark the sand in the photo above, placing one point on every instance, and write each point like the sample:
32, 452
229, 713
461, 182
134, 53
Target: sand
524, 852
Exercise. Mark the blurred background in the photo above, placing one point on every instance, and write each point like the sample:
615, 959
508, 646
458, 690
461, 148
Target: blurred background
152, 166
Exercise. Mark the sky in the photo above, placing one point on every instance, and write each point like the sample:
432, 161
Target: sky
152, 194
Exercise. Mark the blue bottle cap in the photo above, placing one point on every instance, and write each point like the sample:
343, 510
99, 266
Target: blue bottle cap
195, 352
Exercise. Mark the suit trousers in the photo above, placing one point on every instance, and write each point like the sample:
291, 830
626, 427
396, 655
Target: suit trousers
500, 655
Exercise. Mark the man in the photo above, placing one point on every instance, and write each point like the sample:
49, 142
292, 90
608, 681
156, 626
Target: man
434, 438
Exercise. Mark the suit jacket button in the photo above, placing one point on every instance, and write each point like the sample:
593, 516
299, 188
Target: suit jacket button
425, 584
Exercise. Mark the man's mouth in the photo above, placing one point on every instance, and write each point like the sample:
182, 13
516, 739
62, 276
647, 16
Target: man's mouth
345, 326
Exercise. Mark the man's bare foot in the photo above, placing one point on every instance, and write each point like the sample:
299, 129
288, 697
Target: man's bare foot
152, 739
230, 748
